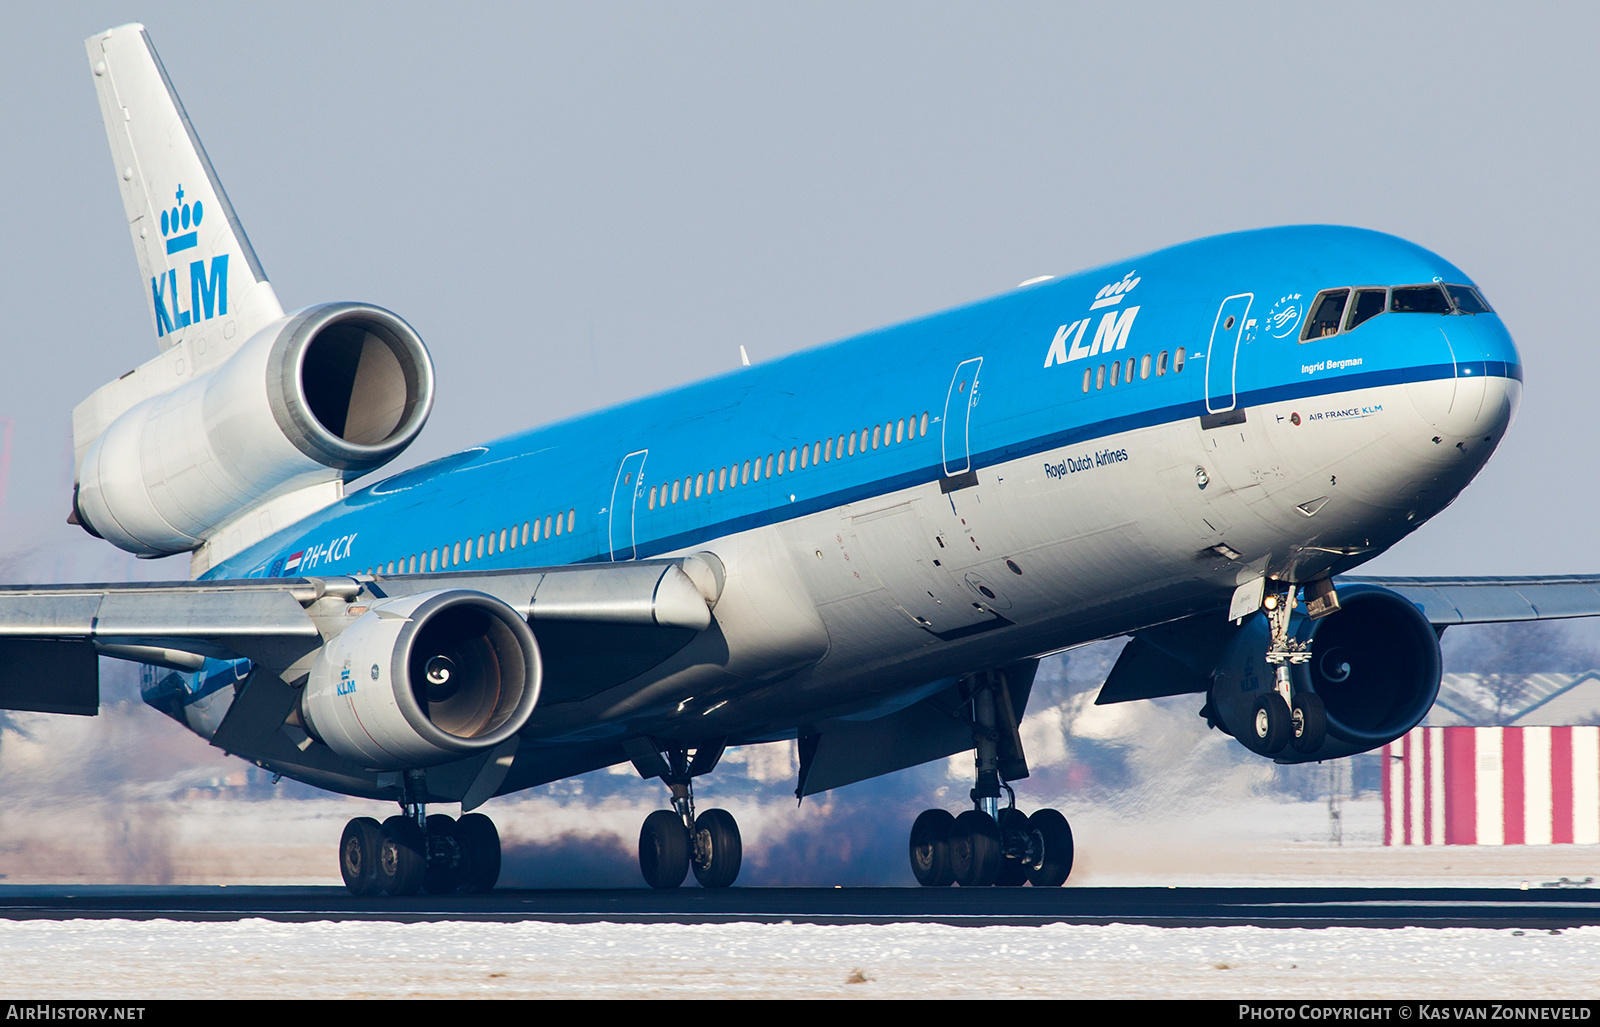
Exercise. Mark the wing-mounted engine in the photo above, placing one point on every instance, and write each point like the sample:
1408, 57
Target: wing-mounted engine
311, 400
1375, 666
425, 679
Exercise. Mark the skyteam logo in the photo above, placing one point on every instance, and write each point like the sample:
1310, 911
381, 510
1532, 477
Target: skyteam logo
1285, 316
1110, 334
208, 288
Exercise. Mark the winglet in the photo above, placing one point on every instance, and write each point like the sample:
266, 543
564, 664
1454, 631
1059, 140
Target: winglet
203, 280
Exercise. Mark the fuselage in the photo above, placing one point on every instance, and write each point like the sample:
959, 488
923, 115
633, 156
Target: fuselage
1071, 460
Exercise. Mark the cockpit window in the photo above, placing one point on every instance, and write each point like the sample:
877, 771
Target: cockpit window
1327, 310
1468, 300
1419, 299
1368, 305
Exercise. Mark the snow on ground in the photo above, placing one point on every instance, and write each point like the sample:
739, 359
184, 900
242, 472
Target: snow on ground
259, 959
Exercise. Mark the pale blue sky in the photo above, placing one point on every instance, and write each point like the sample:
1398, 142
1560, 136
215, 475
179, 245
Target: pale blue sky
580, 203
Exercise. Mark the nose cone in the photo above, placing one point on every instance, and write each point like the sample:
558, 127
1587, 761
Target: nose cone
1480, 401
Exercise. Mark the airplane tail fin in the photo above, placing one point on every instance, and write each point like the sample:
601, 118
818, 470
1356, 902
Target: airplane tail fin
205, 283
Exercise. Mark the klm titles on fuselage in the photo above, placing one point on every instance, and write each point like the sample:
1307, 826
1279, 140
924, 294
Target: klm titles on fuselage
1086, 462
208, 287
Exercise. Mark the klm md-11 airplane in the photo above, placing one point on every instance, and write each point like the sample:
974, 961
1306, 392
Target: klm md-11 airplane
865, 547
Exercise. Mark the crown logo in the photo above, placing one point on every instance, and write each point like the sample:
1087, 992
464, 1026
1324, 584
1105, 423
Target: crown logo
1112, 294
176, 223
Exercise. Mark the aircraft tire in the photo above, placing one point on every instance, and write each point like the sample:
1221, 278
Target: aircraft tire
443, 875
1269, 727
930, 849
718, 850
975, 849
402, 856
1013, 839
1308, 722
480, 853
663, 849
1054, 836
358, 856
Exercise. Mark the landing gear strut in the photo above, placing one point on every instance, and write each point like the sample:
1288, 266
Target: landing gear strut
990, 845
672, 842
1285, 716
415, 852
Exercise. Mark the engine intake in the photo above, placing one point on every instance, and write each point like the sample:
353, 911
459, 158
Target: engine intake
422, 680
350, 385
323, 394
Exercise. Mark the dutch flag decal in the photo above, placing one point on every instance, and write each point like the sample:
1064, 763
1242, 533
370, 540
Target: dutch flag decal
293, 563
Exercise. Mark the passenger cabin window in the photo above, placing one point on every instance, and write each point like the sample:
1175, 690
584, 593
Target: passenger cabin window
1327, 310
1419, 299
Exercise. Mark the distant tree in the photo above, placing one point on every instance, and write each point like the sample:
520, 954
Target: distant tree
1504, 656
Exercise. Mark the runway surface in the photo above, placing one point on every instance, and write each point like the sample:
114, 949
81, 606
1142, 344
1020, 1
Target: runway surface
1541, 908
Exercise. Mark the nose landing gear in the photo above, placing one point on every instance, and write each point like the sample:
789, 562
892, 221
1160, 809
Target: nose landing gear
1285, 716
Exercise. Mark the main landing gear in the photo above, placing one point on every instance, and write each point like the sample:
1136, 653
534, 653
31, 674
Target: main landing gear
674, 841
415, 852
1285, 716
988, 845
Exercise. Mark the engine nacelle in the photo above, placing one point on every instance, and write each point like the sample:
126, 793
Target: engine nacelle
1375, 665
422, 680
326, 393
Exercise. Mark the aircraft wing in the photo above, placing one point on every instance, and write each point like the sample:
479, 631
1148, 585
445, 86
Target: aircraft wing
638, 613
1488, 600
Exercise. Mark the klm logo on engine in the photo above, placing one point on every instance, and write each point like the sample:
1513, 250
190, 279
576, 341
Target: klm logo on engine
1110, 334
347, 681
208, 287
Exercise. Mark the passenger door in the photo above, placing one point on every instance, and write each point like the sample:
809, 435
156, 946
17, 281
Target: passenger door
625, 493
1222, 355
957, 421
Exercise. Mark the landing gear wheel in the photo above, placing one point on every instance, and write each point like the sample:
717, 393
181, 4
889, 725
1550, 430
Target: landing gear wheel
1013, 844
444, 856
663, 849
930, 849
717, 850
358, 856
479, 844
975, 849
1308, 722
1268, 730
402, 856
1050, 866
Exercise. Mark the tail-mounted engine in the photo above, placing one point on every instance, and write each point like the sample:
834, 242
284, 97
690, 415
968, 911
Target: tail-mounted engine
1374, 664
423, 679
321, 395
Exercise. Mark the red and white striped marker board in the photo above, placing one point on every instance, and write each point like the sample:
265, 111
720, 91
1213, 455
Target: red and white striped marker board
1492, 786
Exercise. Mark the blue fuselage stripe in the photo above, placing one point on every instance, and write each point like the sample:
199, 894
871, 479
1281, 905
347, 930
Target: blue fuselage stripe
1057, 440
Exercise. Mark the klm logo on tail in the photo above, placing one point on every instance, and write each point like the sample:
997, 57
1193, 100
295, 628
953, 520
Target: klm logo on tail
208, 291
